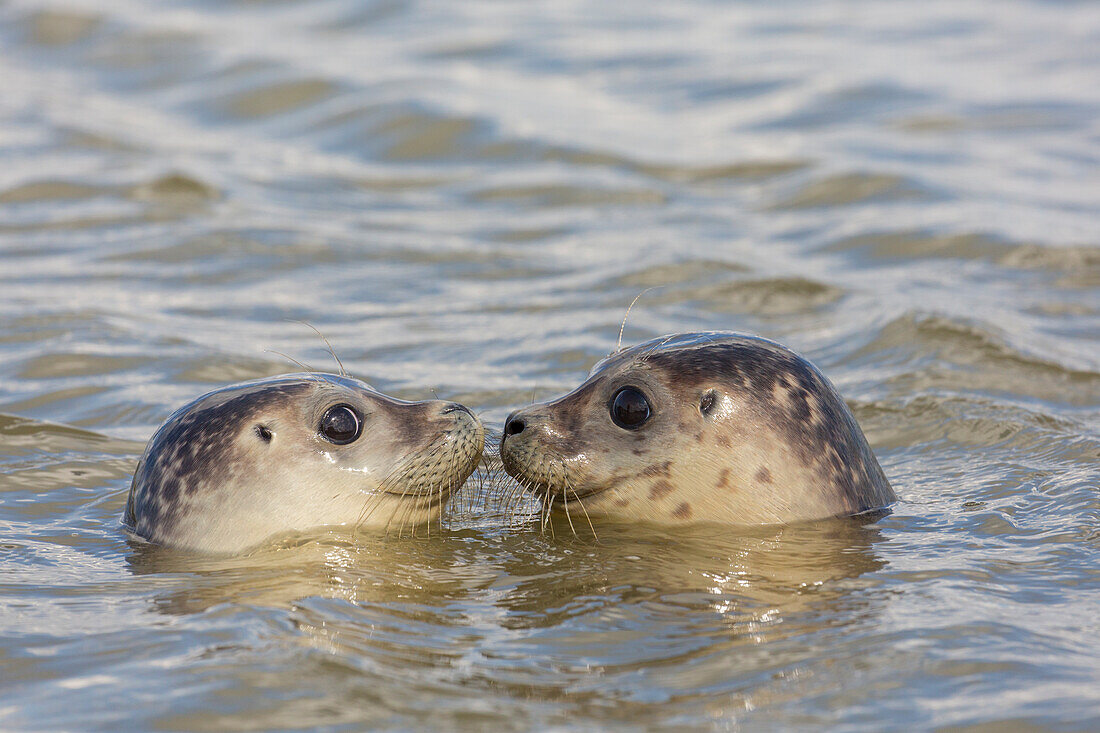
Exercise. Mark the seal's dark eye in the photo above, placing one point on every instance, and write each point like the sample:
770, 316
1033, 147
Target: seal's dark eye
629, 408
340, 424
707, 403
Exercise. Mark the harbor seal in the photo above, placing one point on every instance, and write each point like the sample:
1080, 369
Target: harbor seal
714, 426
297, 451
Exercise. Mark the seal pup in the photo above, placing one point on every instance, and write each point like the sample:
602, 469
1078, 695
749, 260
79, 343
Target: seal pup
715, 426
288, 453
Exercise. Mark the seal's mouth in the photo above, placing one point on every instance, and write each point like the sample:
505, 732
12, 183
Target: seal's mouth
544, 476
426, 500
559, 496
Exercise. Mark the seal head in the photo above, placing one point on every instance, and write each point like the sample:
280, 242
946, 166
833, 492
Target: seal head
293, 452
692, 427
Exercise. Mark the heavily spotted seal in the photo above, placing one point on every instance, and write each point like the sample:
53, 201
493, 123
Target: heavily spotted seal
694, 427
288, 453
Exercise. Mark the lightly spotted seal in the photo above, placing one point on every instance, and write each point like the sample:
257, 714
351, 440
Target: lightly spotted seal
715, 426
288, 453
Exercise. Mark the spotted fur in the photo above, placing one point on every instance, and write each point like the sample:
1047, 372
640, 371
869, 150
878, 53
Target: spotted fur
742, 431
248, 461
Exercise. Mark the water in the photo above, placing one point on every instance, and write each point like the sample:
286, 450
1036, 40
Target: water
464, 197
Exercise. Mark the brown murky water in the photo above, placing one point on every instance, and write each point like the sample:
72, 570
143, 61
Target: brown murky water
465, 197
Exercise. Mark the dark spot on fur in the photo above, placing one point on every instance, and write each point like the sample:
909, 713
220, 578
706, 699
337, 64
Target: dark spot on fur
663, 469
831, 446
661, 488
683, 511
801, 409
763, 476
724, 479
194, 449
779, 391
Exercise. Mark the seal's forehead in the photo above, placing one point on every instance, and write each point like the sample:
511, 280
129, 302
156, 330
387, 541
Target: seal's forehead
303, 379
681, 342
260, 394
225, 406
695, 359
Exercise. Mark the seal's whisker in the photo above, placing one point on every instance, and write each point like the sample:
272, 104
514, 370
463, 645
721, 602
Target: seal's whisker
622, 326
331, 350
509, 501
291, 359
408, 503
490, 470
644, 356
457, 500
544, 504
527, 487
522, 489
546, 521
396, 475
451, 490
548, 504
480, 481
398, 504
433, 487
373, 501
565, 500
423, 483
426, 490
517, 492
580, 500
476, 495
439, 516
405, 507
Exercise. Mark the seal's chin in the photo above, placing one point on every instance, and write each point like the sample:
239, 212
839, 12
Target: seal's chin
427, 498
546, 477
560, 497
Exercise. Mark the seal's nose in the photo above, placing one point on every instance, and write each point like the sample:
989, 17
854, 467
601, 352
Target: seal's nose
514, 425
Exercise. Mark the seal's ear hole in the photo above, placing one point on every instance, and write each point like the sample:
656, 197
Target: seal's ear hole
264, 433
708, 401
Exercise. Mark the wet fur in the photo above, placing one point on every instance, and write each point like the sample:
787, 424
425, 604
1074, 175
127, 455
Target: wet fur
209, 481
781, 445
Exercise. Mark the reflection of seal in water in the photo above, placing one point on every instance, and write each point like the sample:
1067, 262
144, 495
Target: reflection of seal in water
698, 427
288, 453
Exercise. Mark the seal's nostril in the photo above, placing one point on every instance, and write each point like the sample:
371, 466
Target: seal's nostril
514, 426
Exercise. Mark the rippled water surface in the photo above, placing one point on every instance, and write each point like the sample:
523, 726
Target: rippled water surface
465, 197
